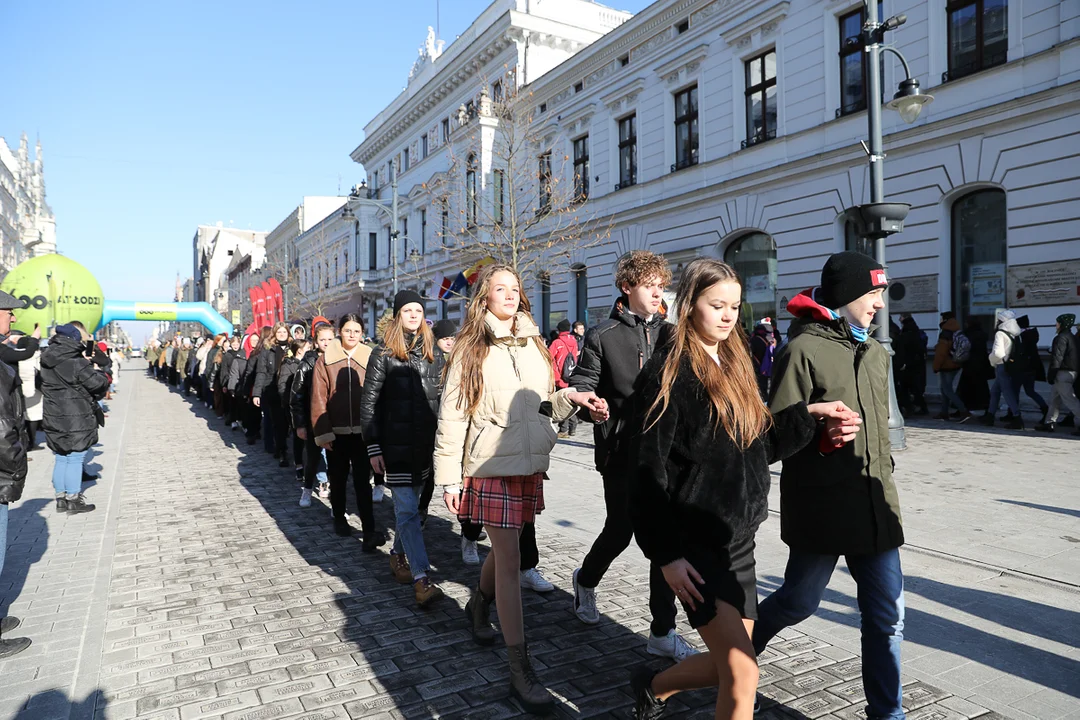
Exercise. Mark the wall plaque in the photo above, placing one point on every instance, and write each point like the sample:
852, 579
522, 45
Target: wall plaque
915, 294
1052, 283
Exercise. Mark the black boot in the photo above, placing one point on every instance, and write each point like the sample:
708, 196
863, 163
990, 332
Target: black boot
372, 540
646, 705
78, 504
1015, 423
61, 504
342, 528
987, 419
476, 612
524, 683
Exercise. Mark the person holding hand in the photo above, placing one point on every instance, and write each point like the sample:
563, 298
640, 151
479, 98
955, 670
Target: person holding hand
602, 384
699, 484
337, 384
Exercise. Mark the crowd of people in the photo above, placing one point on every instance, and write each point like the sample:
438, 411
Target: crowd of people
687, 409
55, 385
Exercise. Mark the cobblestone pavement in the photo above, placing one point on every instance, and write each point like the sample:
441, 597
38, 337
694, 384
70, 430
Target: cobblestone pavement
200, 589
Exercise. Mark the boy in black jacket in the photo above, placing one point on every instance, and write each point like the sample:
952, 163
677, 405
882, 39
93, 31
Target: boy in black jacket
613, 355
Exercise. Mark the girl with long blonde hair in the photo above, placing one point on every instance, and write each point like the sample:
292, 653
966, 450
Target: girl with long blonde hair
492, 449
699, 486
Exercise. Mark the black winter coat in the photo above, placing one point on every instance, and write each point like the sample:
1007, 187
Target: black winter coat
399, 412
1029, 346
614, 353
13, 438
1064, 354
70, 387
266, 367
227, 358
285, 379
300, 396
690, 485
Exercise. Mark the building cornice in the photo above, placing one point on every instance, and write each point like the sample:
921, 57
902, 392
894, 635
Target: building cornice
763, 20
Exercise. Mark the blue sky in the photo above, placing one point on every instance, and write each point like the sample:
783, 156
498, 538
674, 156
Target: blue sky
156, 117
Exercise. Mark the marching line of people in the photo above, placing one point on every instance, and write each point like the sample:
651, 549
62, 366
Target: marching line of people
684, 436
56, 385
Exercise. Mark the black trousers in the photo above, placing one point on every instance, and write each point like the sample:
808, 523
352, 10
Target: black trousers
298, 447
610, 544
252, 420
530, 554
312, 460
346, 451
279, 423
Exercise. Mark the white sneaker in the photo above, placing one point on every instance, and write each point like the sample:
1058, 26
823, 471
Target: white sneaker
671, 646
469, 554
324, 490
378, 493
305, 497
585, 602
534, 580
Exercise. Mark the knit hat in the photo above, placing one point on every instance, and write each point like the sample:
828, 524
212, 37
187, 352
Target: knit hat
767, 321
444, 329
69, 331
317, 321
1066, 320
847, 276
405, 297
563, 326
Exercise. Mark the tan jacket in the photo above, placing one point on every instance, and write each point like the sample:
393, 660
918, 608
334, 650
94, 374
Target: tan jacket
507, 435
337, 383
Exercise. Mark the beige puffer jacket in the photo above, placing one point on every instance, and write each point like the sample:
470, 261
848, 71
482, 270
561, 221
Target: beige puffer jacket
507, 435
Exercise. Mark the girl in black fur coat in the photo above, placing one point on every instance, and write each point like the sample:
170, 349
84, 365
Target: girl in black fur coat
700, 484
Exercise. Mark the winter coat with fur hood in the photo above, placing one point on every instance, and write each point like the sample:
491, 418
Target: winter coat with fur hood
690, 484
507, 435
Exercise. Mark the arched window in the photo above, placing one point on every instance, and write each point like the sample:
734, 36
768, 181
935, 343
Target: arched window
754, 257
854, 243
471, 197
979, 256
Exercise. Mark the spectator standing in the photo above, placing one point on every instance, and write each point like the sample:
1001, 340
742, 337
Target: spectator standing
564, 358
579, 334
974, 384
1064, 372
71, 386
953, 349
12, 462
762, 347
911, 367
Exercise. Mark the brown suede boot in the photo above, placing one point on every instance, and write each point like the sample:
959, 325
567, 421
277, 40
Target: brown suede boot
525, 685
399, 565
426, 591
476, 612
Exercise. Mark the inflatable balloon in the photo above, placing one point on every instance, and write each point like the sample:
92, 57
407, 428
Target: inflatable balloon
55, 290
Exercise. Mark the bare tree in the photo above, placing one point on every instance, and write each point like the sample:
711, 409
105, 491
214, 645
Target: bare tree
511, 192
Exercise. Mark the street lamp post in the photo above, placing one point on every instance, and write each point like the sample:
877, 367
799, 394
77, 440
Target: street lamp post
880, 219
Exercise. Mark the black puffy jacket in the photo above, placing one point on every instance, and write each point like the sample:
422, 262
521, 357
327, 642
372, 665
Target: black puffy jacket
13, 439
399, 411
285, 378
614, 353
300, 397
266, 371
70, 387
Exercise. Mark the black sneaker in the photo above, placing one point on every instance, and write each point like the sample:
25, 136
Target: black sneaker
284, 462
1016, 423
987, 419
299, 474
646, 705
1045, 427
61, 505
342, 529
372, 540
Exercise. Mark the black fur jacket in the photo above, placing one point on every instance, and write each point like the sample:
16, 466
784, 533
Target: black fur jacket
690, 484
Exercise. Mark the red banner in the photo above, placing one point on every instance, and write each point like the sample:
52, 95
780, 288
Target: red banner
269, 309
279, 303
259, 308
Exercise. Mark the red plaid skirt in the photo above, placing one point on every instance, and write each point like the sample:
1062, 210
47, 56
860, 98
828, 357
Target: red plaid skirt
502, 502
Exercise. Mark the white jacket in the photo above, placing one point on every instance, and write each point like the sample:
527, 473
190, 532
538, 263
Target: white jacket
28, 370
1007, 331
507, 435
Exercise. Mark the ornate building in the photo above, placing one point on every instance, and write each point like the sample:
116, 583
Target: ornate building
27, 223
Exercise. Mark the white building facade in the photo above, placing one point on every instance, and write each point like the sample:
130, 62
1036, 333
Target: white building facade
732, 129
213, 249
27, 223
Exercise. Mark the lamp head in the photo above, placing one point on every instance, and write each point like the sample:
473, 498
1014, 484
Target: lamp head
909, 100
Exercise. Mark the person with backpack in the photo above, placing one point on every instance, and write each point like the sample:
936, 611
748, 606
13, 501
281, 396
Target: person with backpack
951, 352
762, 348
1064, 371
1007, 359
564, 360
1033, 370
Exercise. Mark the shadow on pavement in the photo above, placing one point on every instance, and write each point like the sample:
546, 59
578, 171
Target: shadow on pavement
56, 705
26, 546
383, 653
1008, 656
1047, 508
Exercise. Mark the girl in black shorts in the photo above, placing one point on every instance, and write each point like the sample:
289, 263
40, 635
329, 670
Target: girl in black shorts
699, 488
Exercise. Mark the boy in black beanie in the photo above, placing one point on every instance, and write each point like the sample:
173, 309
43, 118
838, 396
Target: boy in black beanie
840, 499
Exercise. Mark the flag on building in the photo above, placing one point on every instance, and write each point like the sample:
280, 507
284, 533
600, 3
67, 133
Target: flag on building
441, 286
473, 273
456, 287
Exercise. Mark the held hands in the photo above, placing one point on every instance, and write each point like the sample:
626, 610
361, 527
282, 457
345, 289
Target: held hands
680, 577
597, 406
378, 465
841, 422
453, 501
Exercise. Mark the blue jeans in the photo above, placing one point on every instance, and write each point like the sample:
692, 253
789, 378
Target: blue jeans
67, 473
3, 534
880, 584
948, 392
1004, 383
409, 536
